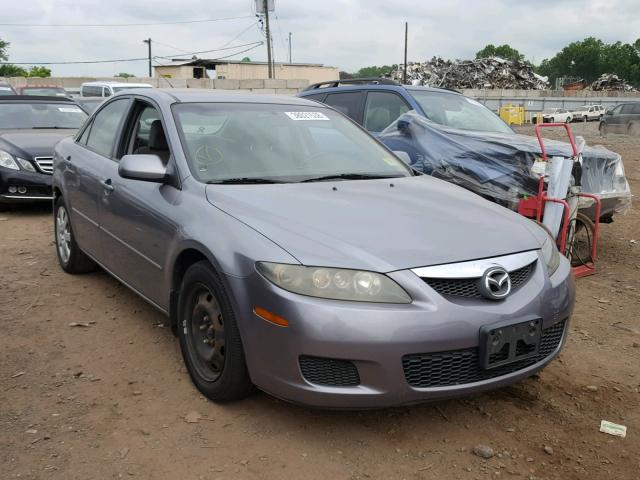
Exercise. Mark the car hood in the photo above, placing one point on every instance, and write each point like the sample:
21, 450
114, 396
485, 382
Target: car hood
32, 143
381, 225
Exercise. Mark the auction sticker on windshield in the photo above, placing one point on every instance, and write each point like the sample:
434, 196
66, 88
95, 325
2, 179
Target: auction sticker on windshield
306, 116
69, 109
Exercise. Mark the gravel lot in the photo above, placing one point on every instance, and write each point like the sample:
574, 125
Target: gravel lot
112, 399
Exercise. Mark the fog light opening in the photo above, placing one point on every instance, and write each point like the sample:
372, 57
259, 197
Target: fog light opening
270, 317
13, 189
22, 189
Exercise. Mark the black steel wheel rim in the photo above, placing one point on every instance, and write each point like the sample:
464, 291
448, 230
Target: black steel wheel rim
204, 332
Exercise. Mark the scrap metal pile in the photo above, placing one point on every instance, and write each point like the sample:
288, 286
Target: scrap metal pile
492, 72
610, 82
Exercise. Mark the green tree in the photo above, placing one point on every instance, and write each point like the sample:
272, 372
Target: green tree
591, 57
8, 70
4, 45
124, 75
39, 71
383, 71
502, 51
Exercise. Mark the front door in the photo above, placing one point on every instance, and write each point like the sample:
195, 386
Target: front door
137, 220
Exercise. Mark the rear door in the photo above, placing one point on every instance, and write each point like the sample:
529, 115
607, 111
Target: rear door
83, 172
136, 217
350, 103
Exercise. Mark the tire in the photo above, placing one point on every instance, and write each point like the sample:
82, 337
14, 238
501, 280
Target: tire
209, 337
552, 120
633, 129
579, 241
603, 129
71, 258
567, 120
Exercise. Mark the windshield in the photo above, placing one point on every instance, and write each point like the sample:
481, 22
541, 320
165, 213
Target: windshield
283, 143
44, 91
41, 115
458, 111
119, 89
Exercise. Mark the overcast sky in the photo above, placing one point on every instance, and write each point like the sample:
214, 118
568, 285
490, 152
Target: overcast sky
348, 34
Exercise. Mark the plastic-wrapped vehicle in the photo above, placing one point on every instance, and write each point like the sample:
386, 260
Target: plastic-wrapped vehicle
499, 165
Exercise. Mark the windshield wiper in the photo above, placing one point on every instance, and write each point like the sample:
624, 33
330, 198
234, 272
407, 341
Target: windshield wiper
243, 181
349, 176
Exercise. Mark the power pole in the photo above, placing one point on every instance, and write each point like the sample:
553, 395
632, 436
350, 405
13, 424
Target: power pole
148, 41
266, 17
404, 72
289, 47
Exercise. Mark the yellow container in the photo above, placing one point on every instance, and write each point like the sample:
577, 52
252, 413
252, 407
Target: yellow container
512, 114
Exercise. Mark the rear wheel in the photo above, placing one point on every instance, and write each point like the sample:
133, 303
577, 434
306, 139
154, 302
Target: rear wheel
633, 129
70, 257
209, 336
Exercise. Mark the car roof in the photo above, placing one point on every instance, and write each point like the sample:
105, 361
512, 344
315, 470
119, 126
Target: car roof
192, 95
34, 99
373, 86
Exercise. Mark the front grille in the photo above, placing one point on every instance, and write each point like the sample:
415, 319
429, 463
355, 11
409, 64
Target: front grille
458, 367
468, 287
45, 164
329, 371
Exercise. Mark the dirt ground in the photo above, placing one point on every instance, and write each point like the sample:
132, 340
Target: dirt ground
112, 400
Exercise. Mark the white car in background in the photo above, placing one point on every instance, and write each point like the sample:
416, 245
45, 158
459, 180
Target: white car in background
588, 113
557, 115
106, 89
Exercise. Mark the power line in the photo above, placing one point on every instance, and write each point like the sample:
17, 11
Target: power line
252, 46
179, 22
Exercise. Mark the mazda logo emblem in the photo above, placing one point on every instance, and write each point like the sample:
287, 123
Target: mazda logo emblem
495, 283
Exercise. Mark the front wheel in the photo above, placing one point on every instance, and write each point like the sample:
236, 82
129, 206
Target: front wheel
209, 336
603, 129
71, 258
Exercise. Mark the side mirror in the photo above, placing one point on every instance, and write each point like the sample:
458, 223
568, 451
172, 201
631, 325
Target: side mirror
608, 112
143, 167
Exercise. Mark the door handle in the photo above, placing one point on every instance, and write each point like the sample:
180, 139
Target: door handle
108, 186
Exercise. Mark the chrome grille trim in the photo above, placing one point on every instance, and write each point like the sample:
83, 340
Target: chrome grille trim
45, 164
476, 268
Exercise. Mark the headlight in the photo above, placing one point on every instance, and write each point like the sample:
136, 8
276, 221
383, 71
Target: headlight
25, 164
334, 283
7, 161
551, 255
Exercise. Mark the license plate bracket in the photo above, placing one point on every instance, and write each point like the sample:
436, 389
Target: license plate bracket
506, 342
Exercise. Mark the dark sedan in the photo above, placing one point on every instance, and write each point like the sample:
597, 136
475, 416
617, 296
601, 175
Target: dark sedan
29, 129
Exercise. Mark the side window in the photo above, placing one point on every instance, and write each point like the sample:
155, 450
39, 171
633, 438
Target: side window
616, 110
381, 109
347, 103
105, 127
82, 140
627, 108
636, 108
147, 134
317, 97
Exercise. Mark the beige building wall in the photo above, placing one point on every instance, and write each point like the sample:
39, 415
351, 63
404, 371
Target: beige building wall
242, 71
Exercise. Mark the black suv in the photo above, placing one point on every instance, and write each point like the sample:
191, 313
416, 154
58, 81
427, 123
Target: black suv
623, 118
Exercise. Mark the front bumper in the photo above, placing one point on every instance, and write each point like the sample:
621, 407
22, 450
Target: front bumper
376, 338
37, 186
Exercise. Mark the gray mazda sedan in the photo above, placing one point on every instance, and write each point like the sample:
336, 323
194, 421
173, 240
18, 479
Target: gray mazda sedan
293, 252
